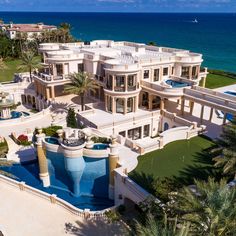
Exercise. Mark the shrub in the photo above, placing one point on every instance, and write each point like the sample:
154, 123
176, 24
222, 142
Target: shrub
3, 149
112, 216
51, 130
71, 119
105, 140
23, 140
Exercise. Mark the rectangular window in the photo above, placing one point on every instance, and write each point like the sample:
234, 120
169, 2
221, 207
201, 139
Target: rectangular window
122, 133
134, 134
156, 75
120, 84
59, 68
109, 104
194, 72
146, 129
146, 74
185, 72
109, 81
172, 70
165, 71
80, 67
131, 82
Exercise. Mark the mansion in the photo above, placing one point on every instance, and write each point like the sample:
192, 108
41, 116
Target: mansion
135, 81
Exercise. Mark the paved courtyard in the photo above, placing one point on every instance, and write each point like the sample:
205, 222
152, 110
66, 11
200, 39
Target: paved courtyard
24, 215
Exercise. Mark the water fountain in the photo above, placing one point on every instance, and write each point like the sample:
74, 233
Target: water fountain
5, 105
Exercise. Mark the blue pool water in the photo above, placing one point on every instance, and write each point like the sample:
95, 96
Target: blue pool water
93, 183
176, 84
16, 114
52, 140
230, 117
100, 146
231, 93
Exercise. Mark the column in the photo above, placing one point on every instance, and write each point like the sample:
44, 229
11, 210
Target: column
47, 93
125, 105
190, 72
54, 70
136, 103
182, 106
202, 114
211, 114
204, 82
113, 105
161, 73
106, 103
113, 159
113, 82
162, 104
191, 105
126, 83
149, 101
53, 91
42, 160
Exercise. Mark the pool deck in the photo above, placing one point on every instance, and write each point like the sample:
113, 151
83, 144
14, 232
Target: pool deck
23, 214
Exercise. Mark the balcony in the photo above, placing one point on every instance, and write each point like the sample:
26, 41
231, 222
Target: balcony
50, 78
119, 89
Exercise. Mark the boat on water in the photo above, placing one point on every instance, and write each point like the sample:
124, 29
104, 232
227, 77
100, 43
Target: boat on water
195, 21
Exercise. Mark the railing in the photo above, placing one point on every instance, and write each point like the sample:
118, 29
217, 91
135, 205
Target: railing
23, 119
54, 199
219, 101
176, 118
119, 89
49, 78
128, 188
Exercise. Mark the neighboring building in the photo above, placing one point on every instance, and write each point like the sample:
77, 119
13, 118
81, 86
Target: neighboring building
135, 80
31, 30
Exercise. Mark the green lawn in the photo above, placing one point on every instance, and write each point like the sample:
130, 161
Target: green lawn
7, 74
216, 79
182, 160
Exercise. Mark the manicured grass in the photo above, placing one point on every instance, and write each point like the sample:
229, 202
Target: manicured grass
8, 74
216, 79
182, 160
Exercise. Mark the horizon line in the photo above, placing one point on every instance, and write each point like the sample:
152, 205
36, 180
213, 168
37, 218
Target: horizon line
130, 12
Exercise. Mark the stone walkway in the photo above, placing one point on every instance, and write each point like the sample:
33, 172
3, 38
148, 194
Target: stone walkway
22, 214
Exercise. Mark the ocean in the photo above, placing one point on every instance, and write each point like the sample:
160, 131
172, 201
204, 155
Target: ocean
214, 35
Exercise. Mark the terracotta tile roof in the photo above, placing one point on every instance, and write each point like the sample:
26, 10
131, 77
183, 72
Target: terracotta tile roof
29, 27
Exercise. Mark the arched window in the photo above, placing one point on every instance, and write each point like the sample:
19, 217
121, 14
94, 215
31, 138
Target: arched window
120, 105
130, 105
166, 126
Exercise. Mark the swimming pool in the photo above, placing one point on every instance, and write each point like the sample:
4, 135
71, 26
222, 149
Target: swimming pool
230, 117
52, 140
16, 114
100, 146
176, 84
94, 181
232, 93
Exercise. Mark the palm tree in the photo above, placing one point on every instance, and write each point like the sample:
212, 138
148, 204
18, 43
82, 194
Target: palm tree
211, 210
29, 62
226, 153
154, 228
65, 29
81, 83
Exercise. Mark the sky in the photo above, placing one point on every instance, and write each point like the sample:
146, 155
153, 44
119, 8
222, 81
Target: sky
119, 5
